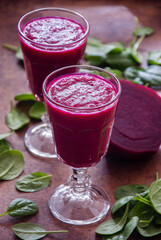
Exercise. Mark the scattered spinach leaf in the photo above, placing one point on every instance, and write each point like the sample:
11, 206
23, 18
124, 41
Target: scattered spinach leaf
150, 231
114, 225
37, 110
117, 73
144, 212
120, 203
125, 232
5, 135
144, 76
16, 119
155, 195
11, 164
154, 57
4, 145
130, 190
32, 231
17, 50
142, 30
25, 97
21, 207
33, 182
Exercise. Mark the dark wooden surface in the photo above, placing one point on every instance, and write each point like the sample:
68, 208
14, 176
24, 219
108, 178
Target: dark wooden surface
109, 21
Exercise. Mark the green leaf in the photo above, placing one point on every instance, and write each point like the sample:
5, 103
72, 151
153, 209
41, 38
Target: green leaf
120, 60
150, 231
143, 31
154, 57
31, 231
130, 190
33, 182
125, 232
134, 50
25, 97
114, 225
5, 135
149, 78
37, 110
19, 54
155, 195
21, 207
4, 145
120, 203
17, 50
11, 164
144, 212
15, 119
94, 41
131, 73
155, 69
117, 73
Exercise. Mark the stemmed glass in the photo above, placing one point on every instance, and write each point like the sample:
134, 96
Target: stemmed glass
42, 57
81, 102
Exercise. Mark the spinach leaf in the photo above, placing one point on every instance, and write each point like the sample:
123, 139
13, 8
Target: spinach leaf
96, 51
17, 50
15, 119
121, 60
114, 225
150, 231
154, 57
33, 182
120, 203
117, 73
37, 110
151, 76
5, 135
25, 97
4, 145
21, 207
125, 233
134, 50
130, 190
32, 231
129, 228
155, 195
11, 164
141, 30
144, 212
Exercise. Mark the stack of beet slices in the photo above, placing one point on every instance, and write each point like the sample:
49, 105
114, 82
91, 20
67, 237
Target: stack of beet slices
137, 127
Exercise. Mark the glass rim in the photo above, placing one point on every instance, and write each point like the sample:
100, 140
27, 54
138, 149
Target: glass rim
50, 9
82, 108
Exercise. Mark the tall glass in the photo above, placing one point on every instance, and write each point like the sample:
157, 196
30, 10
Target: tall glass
41, 57
81, 102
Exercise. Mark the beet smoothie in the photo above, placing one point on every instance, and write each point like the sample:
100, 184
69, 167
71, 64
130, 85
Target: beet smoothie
49, 43
81, 107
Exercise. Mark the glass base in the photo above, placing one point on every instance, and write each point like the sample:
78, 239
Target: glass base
39, 141
79, 208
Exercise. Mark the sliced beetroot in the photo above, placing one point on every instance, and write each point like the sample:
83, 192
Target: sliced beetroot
137, 127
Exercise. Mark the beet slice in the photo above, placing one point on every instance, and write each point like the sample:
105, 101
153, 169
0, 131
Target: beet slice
137, 127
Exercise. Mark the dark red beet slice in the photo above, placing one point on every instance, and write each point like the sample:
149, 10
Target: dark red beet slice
137, 127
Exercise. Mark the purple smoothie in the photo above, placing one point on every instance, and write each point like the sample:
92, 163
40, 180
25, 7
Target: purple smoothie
81, 107
47, 44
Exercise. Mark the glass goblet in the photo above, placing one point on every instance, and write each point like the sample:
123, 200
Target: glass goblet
47, 45
81, 102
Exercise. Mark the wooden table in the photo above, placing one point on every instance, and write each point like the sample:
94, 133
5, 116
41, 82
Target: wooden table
109, 21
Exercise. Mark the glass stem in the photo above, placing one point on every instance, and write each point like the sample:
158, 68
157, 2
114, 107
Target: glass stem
45, 119
80, 180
